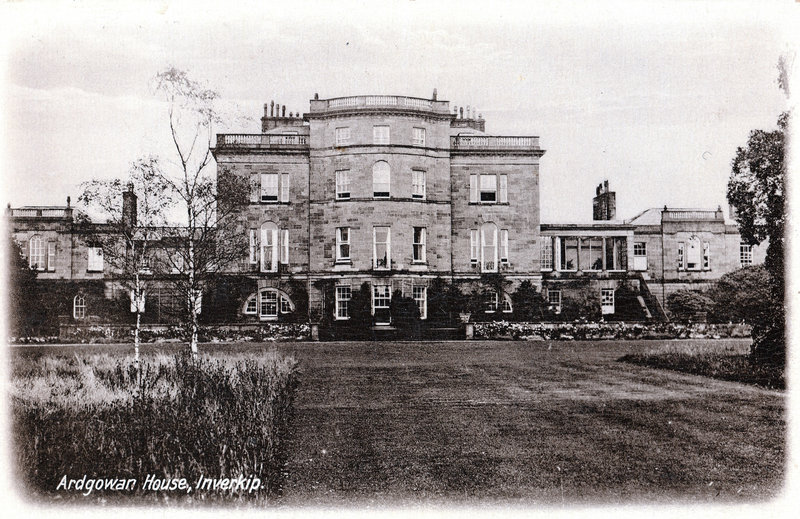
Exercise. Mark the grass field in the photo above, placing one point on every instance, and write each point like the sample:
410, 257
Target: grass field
525, 422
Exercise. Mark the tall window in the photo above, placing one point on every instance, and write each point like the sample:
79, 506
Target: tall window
343, 184
419, 245
504, 246
342, 136
79, 307
681, 256
285, 246
546, 249
380, 134
343, 295
95, 263
503, 189
591, 254
381, 237
616, 253
381, 300
554, 300
640, 256
569, 253
343, 244
420, 294
474, 245
36, 254
607, 300
268, 304
489, 247
417, 184
745, 255
269, 247
488, 188
51, 256
419, 137
381, 179
694, 254
269, 187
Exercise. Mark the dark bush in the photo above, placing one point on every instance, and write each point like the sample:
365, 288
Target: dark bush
741, 296
685, 305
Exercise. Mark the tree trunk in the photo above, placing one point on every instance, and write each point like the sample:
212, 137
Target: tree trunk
192, 296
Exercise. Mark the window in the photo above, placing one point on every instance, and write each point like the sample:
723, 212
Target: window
491, 303
381, 239
745, 255
269, 304
269, 247
79, 307
286, 305
681, 259
253, 246
343, 244
489, 247
285, 187
36, 256
285, 246
419, 137
607, 301
380, 134
554, 301
342, 136
196, 297
569, 254
504, 246
95, 259
381, 300
591, 254
503, 189
381, 179
694, 254
640, 256
251, 305
419, 245
616, 253
343, 184
51, 256
417, 184
507, 308
474, 245
343, 295
269, 187
546, 250
137, 304
177, 262
420, 294
706, 256
488, 188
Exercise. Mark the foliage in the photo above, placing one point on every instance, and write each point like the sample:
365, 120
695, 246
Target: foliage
626, 304
741, 296
405, 314
607, 331
528, 303
26, 311
445, 302
183, 418
582, 304
684, 305
756, 190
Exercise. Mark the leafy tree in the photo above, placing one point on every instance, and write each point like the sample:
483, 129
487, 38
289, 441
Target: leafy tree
684, 305
405, 314
529, 305
741, 296
213, 238
756, 190
581, 304
130, 242
26, 313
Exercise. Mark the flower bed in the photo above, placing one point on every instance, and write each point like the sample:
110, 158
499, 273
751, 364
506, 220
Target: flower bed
499, 330
109, 333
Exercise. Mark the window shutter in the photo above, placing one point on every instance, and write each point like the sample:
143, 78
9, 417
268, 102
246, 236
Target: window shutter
285, 187
255, 188
285, 247
503, 189
473, 188
253, 246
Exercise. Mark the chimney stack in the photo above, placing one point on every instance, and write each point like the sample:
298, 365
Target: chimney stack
129, 208
604, 204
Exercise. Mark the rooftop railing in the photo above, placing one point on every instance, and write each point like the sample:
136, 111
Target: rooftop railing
261, 140
352, 102
693, 214
487, 142
42, 212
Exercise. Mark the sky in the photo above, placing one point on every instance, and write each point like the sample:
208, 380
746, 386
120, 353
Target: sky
655, 97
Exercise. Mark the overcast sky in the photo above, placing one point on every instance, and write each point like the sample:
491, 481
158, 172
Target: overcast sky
655, 97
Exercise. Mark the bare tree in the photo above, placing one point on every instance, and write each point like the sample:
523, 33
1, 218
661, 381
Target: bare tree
212, 239
134, 209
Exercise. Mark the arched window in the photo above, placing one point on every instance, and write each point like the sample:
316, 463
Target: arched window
381, 179
489, 247
268, 304
79, 307
269, 247
694, 253
36, 255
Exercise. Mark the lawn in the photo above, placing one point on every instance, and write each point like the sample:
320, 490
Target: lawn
521, 422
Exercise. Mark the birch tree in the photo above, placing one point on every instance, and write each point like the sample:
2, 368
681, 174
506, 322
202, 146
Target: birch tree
130, 236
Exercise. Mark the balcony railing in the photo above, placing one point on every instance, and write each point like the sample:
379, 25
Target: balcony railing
489, 142
41, 212
401, 102
261, 140
693, 214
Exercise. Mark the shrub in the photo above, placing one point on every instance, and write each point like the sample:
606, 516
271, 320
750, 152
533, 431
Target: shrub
741, 296
529, 305
684, 305
181, 419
